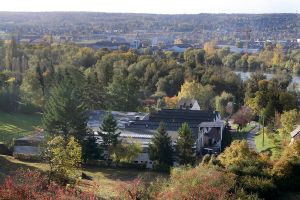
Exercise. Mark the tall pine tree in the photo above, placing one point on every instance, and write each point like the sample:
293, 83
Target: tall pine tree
185, 143
65, 112
160, 149
109, 133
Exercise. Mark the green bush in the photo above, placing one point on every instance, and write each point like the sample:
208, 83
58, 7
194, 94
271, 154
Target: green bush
28, 108
123, 165
264, 187
205, 159
27, 157
161, 167
4, 150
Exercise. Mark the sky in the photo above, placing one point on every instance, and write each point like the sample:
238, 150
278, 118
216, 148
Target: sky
155, 6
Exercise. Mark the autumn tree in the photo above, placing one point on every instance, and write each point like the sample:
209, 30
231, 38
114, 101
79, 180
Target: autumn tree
194, 90
242, 117
222, 104
288, 121
171, 102
238, 158
210, 47
64, 159
286, 169
126, 151
277, 55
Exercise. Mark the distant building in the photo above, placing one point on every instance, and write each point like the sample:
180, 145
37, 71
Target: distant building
28, 147
141, 127
210, 137
235, 49
178, 48
295, 134
188, 104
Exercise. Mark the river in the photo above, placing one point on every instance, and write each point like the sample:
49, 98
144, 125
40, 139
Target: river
246, 75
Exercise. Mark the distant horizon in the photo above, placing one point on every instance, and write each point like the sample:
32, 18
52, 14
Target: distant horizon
165, 7
137, 13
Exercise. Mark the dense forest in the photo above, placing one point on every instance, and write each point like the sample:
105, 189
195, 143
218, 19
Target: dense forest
124, 79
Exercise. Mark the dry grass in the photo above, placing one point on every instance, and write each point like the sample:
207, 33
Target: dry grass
107, 179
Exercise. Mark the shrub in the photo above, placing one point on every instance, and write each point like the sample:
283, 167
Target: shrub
28, 185
286, 170
4, 150
28, 108
27, 157
205, 159
264, 187
103, 163
239, 159
199, 183
161, 167
132, 190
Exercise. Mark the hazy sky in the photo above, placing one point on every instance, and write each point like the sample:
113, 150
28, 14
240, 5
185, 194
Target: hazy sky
155, 6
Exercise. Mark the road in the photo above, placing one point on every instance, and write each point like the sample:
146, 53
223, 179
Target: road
251, 138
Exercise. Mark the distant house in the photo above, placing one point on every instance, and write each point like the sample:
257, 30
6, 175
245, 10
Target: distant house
141, 127
210, 137
28, 147
179, 48
295, 134
188, 104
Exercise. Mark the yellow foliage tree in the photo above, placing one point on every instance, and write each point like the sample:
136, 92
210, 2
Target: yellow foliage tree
126, 152
290, 157
210, 47
171, 102
277, 55
288, 121
194, 90
64, 158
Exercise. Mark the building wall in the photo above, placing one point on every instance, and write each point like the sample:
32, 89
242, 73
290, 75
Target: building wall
195, 106
143, 158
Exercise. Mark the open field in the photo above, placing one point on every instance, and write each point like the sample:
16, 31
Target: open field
271, 145
107, 179
14, 125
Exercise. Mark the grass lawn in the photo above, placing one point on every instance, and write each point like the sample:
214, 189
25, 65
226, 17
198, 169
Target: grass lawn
107, 179
270, 145
14, 125
242, 134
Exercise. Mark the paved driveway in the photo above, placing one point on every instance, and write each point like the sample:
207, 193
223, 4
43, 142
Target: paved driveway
251, 137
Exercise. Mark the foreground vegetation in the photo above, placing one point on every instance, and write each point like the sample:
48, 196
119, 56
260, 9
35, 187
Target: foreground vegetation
107, 178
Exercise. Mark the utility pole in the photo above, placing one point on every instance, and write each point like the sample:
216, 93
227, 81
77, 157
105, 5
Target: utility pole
263, 130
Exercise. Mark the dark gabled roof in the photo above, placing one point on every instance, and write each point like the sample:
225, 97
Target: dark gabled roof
180, 116
173, 119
